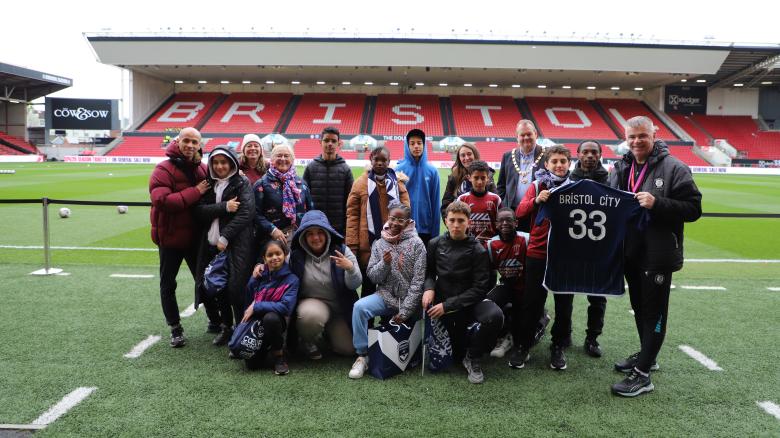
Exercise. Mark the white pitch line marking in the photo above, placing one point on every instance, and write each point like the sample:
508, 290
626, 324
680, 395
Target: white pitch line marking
131, 276
21, 426
733, 260
770, 408
72, 399
671, 286
631, 311
700, 357
189, 311
703, 287
139, 349
77, 248
774, 289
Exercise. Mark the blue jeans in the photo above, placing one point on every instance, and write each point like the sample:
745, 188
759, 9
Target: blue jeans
366, 308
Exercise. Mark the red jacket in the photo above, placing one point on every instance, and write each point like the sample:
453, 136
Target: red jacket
537, 247
173, 194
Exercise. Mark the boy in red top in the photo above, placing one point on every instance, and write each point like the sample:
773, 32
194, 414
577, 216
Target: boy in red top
483, 204
556, 173
507, 252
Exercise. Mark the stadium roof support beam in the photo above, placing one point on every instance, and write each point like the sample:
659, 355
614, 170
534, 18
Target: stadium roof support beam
759, 77
767, 64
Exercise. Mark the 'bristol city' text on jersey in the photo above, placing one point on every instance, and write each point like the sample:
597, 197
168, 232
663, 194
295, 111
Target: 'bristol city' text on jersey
588, 222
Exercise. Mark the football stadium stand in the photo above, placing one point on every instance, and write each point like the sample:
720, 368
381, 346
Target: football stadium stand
568, 118
180, 111
485, 116
620, 110
742, 133
686, 155
396, 114
5, 150
317, 111
18, 144
248, 113
136, 146
700, 137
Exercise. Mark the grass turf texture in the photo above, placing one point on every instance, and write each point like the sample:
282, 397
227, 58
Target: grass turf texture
63, 332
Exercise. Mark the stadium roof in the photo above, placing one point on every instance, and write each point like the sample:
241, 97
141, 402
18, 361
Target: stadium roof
24, 85
504, 62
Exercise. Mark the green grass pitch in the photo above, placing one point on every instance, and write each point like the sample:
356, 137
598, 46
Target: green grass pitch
63, 332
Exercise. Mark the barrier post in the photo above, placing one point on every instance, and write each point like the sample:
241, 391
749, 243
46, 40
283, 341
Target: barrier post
47, 270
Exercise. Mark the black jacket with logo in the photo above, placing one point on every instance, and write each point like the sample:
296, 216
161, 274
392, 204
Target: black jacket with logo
458, 270
677, 200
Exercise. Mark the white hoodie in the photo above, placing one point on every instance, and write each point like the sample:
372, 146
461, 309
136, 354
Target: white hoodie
219, 188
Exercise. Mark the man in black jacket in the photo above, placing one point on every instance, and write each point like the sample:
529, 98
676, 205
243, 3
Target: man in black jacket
664, 186
330, 179
589, 167
456, 281
518, 167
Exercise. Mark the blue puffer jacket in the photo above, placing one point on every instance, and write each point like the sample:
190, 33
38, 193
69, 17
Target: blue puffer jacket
424, 190
274, 291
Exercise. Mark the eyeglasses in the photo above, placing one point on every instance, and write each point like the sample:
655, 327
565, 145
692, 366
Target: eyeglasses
397, 219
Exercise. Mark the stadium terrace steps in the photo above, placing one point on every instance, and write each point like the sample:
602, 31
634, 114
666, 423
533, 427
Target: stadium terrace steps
700, 137
687, 156
396, 114
620, 110
484, 116
742, 132
248, 113
320, 110
184, 109
18, 144
5, 150
559, 117
139, 146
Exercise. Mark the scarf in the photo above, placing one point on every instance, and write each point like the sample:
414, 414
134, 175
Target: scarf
396, 239
219, 188
374, 210
291, 194
549, 179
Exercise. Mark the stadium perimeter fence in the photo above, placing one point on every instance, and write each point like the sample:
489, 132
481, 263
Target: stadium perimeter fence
46, 229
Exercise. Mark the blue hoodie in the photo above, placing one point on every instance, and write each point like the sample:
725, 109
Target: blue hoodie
423, 187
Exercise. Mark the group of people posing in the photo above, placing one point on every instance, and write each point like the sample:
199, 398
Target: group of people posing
300, 247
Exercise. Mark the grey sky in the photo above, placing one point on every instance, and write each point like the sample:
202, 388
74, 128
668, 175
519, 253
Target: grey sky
49, 38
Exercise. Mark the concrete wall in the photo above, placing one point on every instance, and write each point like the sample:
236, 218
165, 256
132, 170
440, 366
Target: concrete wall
13, 119
733, 102
148, 93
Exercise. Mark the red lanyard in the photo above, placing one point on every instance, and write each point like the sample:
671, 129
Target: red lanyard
635, 184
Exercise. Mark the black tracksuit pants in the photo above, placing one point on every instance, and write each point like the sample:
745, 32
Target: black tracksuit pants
649, 293
531, 308
170, 262
274, 327
474, 330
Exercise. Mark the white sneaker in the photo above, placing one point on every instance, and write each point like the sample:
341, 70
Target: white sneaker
359, 367
503, 346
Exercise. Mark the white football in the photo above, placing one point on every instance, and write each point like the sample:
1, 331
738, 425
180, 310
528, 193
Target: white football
121, 209
64, 212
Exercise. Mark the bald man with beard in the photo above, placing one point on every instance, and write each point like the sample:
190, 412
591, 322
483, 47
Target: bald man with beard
175, 186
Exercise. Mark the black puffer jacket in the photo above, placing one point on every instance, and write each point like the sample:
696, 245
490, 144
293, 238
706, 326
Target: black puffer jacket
329, 183
235, 227
458, 270
599, 174
677, 200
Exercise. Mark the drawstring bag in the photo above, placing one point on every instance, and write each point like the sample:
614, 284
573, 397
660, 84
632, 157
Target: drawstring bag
247, 339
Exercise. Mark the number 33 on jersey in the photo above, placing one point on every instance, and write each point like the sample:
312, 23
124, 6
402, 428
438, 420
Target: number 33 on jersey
588, 222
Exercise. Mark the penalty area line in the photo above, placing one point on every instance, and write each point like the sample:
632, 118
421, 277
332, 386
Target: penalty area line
770, 408
700, 357
142, 346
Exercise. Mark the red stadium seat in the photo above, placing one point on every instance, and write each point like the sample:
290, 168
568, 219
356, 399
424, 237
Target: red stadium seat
397, 114
686, 155
568, 118
318, 111
485, 116
5, 150
248, 113
742, 133
494, 151
133, 146
307, 148
185, 109
620, 110
18, 142
699, 136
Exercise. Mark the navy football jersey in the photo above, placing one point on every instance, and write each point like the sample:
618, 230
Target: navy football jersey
588, 222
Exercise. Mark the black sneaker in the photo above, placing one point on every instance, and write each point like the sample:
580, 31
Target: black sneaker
541, 326
177, 337
474, 368
224, 336
633, 385
213, 327
519, 357
280, 366
557, 358
592, 348
628, 364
